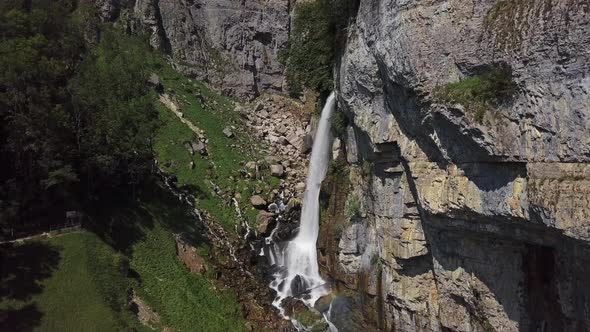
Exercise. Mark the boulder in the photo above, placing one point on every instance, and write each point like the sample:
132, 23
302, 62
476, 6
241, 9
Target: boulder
199, 147
263, 114
277, 170
240, 110
155, 82
281, 129
258, 202
283, 141
305, 144
300, 187
264, 222
273, 207
336, 148
227, 131
251, 165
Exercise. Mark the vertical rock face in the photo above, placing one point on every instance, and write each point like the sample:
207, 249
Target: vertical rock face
469, 226
233, 45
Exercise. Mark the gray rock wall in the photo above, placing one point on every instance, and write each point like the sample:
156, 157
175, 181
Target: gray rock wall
469, 226
233, 45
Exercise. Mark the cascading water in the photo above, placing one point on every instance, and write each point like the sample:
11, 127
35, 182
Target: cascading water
298, 274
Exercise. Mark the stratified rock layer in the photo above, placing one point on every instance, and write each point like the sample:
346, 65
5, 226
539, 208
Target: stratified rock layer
469, 226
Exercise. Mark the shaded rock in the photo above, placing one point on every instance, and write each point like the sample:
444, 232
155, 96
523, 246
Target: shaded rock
285, 232
273, 207
283, 140
298, 286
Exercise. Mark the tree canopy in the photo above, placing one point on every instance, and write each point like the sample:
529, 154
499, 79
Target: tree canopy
76, 118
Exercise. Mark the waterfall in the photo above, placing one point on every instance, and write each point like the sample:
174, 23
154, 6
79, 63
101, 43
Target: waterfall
298, 274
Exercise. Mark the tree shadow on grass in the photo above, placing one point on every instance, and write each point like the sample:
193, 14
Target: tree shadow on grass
176, 215
24, 267
194, 190
120, 222
23, 319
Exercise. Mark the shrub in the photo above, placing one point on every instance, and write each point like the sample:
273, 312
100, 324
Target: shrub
338, 230
339, 123
366, 168
353, 207
377, 263
319, 32
121, 262
480, 92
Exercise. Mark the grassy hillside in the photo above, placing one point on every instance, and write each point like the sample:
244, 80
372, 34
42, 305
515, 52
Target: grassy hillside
74, 282
67, 283
84, 281
211, 113
145, 232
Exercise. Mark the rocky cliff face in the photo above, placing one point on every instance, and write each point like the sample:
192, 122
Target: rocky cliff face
234, 45
462, 225
469, 226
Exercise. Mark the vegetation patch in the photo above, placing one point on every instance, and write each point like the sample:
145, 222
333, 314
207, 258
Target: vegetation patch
313, 321
185, 301
339, 124
216, 178
319, 33
352, 209
482, 92
77, 119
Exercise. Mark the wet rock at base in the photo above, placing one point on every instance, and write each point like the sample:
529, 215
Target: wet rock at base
298, 286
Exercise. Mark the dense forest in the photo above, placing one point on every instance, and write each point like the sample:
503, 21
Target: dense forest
76, 115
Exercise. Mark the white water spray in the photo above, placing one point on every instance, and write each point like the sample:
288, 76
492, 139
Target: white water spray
298, 275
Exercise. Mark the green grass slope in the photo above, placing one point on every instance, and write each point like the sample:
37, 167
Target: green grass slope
67, 283
211, 113
75, 282
83, 281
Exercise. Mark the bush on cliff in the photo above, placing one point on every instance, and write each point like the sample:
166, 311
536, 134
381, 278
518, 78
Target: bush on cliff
480, 92
319, 33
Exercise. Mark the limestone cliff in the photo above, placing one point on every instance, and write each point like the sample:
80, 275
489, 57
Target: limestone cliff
463, 224
468, 225
234, 45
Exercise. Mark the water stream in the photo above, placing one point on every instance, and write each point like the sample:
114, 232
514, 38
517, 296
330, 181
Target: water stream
297, 273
